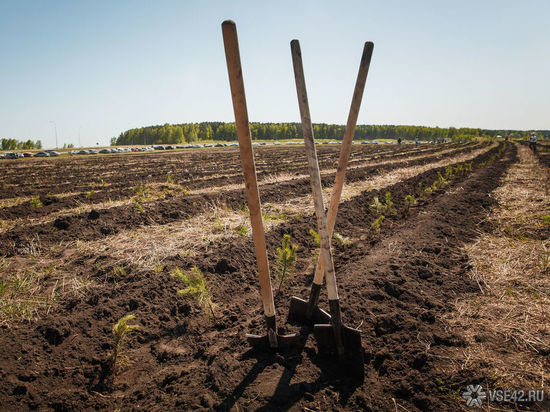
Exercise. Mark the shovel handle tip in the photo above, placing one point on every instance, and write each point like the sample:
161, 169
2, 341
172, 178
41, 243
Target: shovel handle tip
228, 22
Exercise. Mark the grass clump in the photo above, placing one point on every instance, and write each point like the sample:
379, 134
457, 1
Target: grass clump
121, 331
286, 259
242, 230
118, 271
35, 202
196, 287
90, 194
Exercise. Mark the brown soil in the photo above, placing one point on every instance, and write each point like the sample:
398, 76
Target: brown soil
394, 285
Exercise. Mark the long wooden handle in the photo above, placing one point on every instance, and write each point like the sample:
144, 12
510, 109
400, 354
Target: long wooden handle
346, 149
234, 69
317, 189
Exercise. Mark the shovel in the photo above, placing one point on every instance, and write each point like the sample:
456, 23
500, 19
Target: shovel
272, 339
308, 311
334, 337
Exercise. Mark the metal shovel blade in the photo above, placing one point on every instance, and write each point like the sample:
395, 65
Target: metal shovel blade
326, 342
281, 342
300, 312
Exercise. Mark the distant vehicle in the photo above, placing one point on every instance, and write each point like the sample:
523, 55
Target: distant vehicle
180, 146
158, 147
197, 146
233, 144
28, 154
42, 154
365, 142
2, 156
208, 145
263, 143
276, 143
12, 155
105, 151
218, 145
375, 142
53, 153
325, 143
169, 147
82, 152
255, 144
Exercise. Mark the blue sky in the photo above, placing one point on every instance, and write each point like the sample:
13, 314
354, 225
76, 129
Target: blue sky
100, 67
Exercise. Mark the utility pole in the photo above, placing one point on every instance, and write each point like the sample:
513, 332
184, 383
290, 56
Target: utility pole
55, 128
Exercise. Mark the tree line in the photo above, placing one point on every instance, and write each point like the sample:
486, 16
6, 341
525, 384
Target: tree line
14, 144
220, 131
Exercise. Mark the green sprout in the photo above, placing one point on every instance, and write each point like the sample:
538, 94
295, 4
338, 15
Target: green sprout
197, 288
286, 258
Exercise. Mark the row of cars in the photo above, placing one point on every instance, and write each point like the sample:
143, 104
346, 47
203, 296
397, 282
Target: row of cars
53, 153
18, 155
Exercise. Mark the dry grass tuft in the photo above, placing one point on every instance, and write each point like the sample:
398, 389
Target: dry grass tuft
506, 325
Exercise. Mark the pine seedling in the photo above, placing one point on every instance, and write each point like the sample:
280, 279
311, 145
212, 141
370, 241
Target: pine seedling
448, 172
376, 206
35, 202
197, 288
317, 241
341, 241
121, 330
139, 207
316, 238
170, 179
420, 189
388, 207
375, 226
410, 200
286, 258
441, 181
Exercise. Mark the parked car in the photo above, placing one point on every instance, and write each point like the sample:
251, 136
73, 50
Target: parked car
42, 154
12, 155
28, 154
82, 152
53, 153
105, 151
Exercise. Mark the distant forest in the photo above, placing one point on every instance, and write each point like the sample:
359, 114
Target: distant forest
220, 131
13, 144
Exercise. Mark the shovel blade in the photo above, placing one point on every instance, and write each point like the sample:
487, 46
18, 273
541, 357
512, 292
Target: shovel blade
326, 342
283, 341
298, 312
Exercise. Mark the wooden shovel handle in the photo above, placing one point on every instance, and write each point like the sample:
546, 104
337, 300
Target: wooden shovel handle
315, 175
234, 69
346, 149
